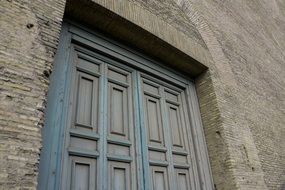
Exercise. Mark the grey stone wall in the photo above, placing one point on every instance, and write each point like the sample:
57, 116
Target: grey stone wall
242, 95
251, 36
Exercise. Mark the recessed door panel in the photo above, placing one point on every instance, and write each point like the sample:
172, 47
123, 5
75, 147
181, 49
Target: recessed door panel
153, 120
119, 176
182, 178
86, 101
175, 125
159, 178
118, 111
81, 178
83, 173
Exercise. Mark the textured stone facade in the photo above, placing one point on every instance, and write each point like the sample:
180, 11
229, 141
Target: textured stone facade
29, 32
241, 96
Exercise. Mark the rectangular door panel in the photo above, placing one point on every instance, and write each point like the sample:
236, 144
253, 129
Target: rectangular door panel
83, 174
153, 121
119, 176
153, 115
86, 101
83, 143
159, 178
175, 125
118, 111
182, 178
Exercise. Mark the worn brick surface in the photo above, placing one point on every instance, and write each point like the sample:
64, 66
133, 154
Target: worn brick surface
251, 37
241, 96
29, 33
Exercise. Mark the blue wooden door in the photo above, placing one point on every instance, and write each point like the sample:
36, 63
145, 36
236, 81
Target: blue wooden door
100, 148
165, 135
121, 121
100, 136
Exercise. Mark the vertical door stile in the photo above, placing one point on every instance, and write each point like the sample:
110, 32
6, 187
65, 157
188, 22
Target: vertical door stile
101, 128
144, 147
194, 181
132, 132
168, 143
70, 85
66, 58
104, 162
193, 131
203, 166
138, 138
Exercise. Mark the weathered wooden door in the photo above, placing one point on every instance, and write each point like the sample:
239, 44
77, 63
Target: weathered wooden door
166, 137
126, 123
100, 136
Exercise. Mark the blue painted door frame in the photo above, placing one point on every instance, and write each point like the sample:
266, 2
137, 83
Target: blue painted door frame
53, 131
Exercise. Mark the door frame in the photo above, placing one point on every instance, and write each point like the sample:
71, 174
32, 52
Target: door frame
107, 49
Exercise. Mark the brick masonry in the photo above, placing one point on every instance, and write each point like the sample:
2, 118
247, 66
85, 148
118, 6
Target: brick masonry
29, 32
242, 95
250, 35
